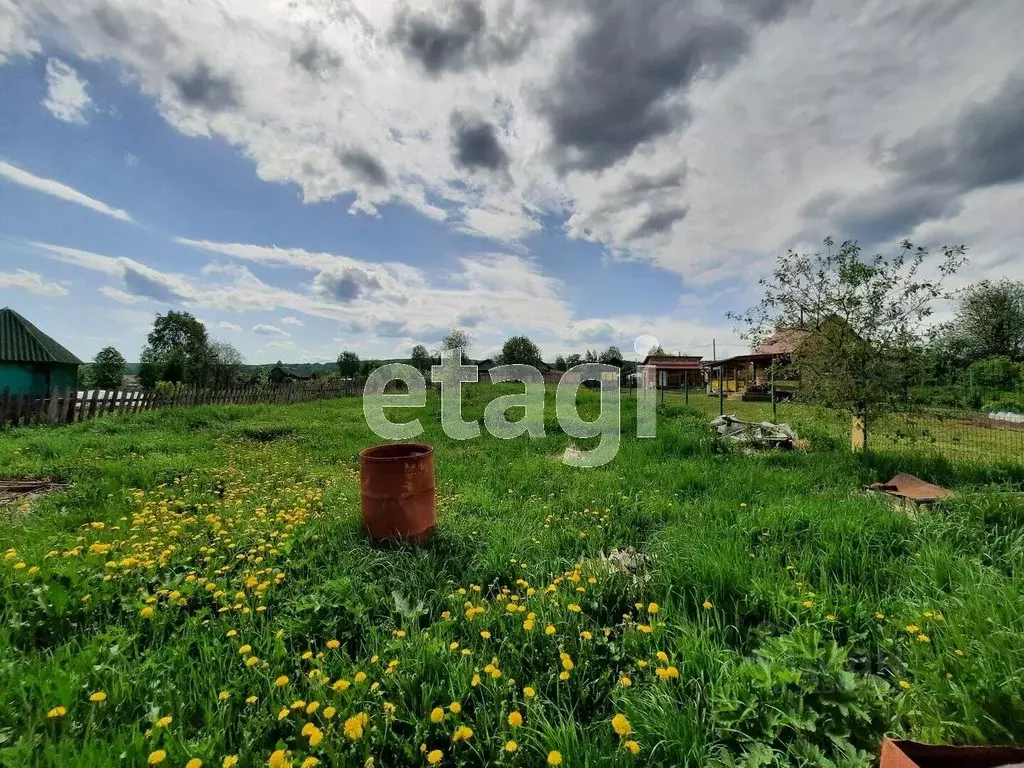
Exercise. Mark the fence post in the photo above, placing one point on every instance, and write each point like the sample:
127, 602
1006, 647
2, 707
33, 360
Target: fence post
721, 392
92, 403
72, 399
771, 375
858, 433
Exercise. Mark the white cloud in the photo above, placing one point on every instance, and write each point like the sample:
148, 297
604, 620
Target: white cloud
15, 38
32, 282
62, 191
224, 325
292, 321
727, 156
264, 329
66, 97
116, 294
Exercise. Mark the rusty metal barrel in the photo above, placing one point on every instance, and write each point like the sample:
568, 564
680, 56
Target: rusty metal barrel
398, 492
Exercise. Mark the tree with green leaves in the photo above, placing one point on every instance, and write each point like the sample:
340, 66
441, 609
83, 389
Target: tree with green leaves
456, 338
989, 322
571, 361
420, 359
560, 364
656, 350
348, 364
224, 365
177, 350
107, 369
859, 319
519, 350
611, 356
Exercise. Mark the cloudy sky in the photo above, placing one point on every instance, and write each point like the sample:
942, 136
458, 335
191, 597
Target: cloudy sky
313, 175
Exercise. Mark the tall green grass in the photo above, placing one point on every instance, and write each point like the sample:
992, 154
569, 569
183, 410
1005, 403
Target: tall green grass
784, 598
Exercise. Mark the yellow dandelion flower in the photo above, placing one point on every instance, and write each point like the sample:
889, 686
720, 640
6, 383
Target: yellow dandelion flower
57, 712
164, 721
653, 608
645, 628
360, 677
316, 737
528, 625
807, 603
515, 719
879, 615
550, 629
195, 762
912, 629
453, 646
529, 692
436, 715
485, 635
251, 699
341, 685
333, 644
156, 757
554, 757
621, 725
282, 680
662, 656
230, 761
511, 746
312, 707
631, 746
224, 695
574, 607
98, 697
354, 728
462, 733
586, 635
434, 756
146, 612
283, 713
475, 681
244, 649
707, 606
279, 759
455, 707
904, 685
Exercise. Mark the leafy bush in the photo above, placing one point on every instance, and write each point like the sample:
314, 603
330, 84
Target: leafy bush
797, 703
1005, 405
997, 372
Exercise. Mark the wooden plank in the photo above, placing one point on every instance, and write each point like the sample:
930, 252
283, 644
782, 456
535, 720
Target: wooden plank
5, 404
92, 404
51, 407
111, 401
70, 401
80, 416
16, 408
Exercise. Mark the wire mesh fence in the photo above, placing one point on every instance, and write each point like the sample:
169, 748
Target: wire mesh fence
959, 434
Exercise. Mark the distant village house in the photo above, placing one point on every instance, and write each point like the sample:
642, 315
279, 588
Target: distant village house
279, 374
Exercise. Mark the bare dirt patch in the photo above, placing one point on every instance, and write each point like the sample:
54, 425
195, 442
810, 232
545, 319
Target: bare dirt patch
27, 488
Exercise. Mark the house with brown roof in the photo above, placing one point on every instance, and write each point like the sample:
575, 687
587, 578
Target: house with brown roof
673, 371
31, 363
751, 373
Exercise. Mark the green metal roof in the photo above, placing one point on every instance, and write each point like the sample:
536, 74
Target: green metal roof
22, 342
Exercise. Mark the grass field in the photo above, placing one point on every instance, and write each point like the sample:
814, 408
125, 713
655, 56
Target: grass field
953, 435
202, 595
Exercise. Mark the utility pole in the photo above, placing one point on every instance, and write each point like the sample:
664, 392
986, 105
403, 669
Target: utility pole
775, 413
721, 393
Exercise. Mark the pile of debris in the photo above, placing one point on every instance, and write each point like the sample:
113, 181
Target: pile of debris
910, 491
756, 435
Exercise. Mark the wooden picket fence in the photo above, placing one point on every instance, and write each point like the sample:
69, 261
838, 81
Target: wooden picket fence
69, 406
